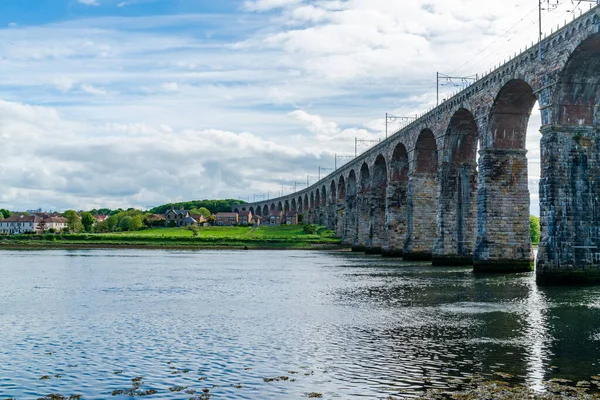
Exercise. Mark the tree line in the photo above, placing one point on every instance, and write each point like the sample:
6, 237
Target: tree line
215, 206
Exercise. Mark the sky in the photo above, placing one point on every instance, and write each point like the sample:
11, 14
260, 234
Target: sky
137, 103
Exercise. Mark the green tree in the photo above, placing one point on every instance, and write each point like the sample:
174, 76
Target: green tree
112, 223
534, 229
5, 213
194, 229
124, 223
73, 223
136, 223
87, 220
101, 227
205, 212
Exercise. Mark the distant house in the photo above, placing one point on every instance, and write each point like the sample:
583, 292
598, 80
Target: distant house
226, 218
276, 218
188, 221
100, 218
19, 223
199, 218
291, 218
57, 223
245, 218
176, 217
156, 220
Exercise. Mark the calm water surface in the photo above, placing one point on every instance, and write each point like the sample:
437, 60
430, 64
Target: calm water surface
340, 324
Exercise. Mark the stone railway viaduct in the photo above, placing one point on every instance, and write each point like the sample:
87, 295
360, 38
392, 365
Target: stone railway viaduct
422, 195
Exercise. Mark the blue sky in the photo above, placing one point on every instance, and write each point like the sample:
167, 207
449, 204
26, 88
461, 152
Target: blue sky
124, 103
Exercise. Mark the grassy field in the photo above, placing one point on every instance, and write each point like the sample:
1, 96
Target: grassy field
238, 232
267, 237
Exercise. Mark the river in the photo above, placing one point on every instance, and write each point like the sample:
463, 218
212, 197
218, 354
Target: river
277, 325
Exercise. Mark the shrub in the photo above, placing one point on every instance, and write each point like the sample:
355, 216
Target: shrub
309, 229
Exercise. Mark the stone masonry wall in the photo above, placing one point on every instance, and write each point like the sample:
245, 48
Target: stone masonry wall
570, 189
396, 222
456, 215
503, 237
422, 193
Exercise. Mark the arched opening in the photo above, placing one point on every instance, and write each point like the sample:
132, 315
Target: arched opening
364, 209
350, 216
342, 189
510, 115
300, 205
312, 200
286, 206
306, 206
322, 206
273, 208
397, 203
244, 209
333, 192
265, 211
332, 206
279, 206
236, 210
457, 192
252, 210
503, 236
293, 205
312, 211
378, 205
570, 171
340, 210
422, 199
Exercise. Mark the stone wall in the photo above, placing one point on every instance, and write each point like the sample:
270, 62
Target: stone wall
422, 194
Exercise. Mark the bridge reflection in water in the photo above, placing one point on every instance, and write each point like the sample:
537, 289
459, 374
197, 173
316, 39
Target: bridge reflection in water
423, 195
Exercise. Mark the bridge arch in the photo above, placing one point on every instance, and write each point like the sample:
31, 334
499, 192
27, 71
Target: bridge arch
571, 168
332, 206
503, 194
397, 202
286, 206
340, 209
300, 205
265, 211
422, 199
273, 208
323, 207
279, 206
378, 205
306, 205
457, 192
364, 212
294, 207
252, 210
350, 235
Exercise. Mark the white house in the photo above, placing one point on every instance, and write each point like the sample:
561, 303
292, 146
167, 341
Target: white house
19, 223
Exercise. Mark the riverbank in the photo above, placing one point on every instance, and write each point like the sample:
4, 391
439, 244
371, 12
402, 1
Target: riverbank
238, 238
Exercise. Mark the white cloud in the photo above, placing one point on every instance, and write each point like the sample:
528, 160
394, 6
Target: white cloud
89, 2
170, 87
62, 83
93, 90
153, 109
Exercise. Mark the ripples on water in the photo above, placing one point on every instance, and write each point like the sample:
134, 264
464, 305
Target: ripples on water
340, 324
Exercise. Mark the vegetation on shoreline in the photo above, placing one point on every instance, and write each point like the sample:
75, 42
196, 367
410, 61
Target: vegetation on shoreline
268, 237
